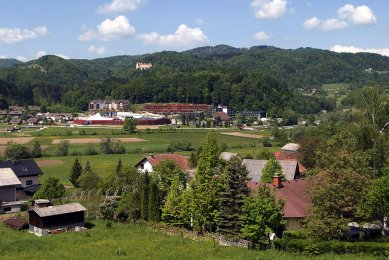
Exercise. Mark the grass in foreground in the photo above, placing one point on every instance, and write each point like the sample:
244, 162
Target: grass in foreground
127, 241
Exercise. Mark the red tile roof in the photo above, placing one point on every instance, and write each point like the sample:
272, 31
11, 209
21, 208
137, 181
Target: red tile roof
284, 155
181, 160
293, 193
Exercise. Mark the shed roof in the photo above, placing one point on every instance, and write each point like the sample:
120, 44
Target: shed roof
8, 178
255, 168
291, 147
226, 156
59, 209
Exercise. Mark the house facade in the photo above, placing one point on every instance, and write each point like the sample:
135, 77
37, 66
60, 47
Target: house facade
8, 184
148, 163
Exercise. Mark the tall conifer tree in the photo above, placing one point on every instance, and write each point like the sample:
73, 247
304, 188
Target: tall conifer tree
75, 173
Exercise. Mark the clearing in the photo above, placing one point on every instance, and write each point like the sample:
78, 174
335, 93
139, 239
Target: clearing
97, 140
18, 140
49, 162
242, 135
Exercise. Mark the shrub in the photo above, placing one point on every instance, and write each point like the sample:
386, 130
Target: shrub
17, 151
63, 148
180, 146
90, 150
266, 142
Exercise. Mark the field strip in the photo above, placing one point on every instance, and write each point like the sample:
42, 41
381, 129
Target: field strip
18, 140
97, 140
49, 162
242, 135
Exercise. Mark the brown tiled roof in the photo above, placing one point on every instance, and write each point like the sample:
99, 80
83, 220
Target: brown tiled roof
293, 193
222, 115
285, 155
181, 160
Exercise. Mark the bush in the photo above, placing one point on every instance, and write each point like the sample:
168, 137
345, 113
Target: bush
63, 148
180, 146
266, 142
315, 247
90, 150
17, 151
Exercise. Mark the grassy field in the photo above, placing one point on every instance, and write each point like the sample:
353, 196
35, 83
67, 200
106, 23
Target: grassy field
128, 241
336, 90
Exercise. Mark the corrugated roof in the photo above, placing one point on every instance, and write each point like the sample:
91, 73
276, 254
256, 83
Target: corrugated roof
59, 209
291, 147
255, 168
8, 177
226, 156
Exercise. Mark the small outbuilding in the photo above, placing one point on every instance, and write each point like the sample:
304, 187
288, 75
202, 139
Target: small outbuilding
54, 219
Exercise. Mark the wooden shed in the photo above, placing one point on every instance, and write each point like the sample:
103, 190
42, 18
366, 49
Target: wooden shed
47, 220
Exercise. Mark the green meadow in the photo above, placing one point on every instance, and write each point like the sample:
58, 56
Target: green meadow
129, 241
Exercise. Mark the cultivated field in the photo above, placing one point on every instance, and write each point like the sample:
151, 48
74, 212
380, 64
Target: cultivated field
243, 135
97, 140
18, 140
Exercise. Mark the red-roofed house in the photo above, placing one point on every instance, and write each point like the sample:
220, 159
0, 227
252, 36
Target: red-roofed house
293, 193
285, 155
148, 163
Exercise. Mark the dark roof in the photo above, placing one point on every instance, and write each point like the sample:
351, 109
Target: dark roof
294, 194
22, 168
32, 188
15, 223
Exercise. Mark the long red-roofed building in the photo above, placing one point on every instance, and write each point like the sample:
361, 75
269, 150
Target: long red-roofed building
176, 108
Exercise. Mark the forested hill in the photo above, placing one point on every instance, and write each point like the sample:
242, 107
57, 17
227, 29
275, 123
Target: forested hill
7, 63
260, 77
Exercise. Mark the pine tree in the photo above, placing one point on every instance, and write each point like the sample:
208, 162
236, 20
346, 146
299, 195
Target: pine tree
172, 211
271, 169
207, 185
154, 202
87, 168
144, 184
232, 197
75, 173
119, 168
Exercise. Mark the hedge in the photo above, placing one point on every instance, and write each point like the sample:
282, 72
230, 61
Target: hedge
315, 247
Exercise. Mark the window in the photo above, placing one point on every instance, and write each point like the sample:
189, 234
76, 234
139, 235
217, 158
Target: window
142, 166
28, 182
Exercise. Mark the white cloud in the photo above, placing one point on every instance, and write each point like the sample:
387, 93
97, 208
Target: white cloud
14, 35
333, 24
3, 56
270, 9
311, 23
118, 28
262, 36
183, 36
22, 58
360, 15
40, 54
98, 50
353, 49
118, 6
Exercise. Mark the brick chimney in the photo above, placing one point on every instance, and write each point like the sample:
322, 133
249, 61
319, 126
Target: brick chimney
277, 181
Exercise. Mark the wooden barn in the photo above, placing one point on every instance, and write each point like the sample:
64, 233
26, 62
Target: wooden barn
53, 219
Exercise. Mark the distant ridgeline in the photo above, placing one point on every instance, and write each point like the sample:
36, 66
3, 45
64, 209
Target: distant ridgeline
258, 78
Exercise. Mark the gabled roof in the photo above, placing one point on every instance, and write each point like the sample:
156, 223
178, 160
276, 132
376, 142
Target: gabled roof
222, 115
59, 209
226, 156
294, 194
255, 168
287, 155
8, 178
22, 168
154, 160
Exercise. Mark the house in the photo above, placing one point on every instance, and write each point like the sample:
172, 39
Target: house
15, 113
175, 108
148, 163
54, 219
221, 117
289, 168
28, 173
15, 121
143, 66
32, 121
294, 195
286, 155
8, 184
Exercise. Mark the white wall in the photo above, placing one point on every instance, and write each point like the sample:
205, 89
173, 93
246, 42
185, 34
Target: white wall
35, 180
146, 166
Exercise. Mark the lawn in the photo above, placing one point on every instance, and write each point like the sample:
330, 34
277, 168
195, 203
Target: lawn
336, 90
127, 241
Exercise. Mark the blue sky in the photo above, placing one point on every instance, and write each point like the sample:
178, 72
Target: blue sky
99, 28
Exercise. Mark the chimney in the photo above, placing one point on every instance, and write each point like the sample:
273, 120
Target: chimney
277, 181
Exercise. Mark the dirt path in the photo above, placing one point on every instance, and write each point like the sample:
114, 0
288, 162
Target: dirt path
49, 162
18, 140
97, 140
243, 135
